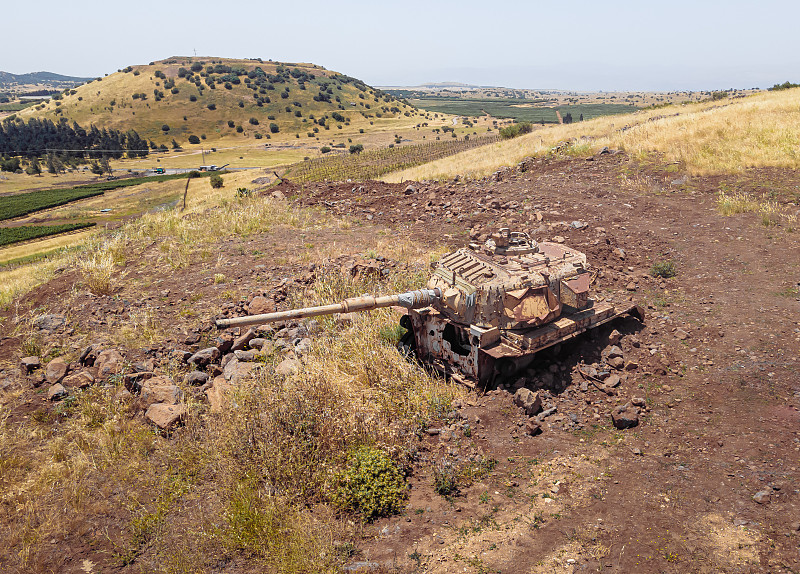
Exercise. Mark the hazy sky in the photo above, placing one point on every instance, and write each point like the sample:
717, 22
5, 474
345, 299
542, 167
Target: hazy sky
580, 45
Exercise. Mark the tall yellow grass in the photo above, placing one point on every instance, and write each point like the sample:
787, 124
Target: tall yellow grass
724, 136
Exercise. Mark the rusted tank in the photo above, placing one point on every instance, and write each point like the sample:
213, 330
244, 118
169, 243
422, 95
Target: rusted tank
488, 309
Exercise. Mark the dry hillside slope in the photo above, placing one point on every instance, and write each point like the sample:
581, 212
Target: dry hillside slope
762, 130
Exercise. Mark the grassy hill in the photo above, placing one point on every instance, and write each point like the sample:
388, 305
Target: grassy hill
223, 99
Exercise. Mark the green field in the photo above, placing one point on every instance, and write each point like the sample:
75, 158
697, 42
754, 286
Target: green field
17, 106
9, 235
12, 206
510, 108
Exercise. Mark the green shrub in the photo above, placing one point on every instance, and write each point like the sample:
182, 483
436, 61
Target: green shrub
231, 124
356, 148
665, 269
216, 180
515, 130
165, 128
193, 139
372, 484
273, 127
325, 149
253, 121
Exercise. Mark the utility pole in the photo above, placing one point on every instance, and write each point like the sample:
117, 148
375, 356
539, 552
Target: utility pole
202, 151
195, 52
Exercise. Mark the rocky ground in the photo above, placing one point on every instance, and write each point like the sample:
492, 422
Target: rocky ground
668, 446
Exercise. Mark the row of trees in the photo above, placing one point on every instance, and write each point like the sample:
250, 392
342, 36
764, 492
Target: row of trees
39, 136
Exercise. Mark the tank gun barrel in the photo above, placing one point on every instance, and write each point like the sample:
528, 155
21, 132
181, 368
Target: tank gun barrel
409, 300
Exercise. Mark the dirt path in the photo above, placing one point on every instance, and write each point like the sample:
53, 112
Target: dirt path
560, 119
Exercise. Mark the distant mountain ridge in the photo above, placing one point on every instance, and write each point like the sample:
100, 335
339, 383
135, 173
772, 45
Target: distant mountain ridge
7, 79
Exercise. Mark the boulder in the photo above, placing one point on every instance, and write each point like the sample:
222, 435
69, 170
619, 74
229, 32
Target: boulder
260, 305
50, 323
217, 394
56, 392
224, 342
611, 352
159, 390
108, 362
237, 370
614, 337
243, 340
79, 380
616, 362
529, 401
204, 357
56, 370
165, 416
762, 496
29, 364
625, 416
196, 378
257, 343
245, 356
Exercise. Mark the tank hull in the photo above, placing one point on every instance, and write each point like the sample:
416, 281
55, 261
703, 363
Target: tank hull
479, 357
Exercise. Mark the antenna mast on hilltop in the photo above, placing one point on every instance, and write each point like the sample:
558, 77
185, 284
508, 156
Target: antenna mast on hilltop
195, 52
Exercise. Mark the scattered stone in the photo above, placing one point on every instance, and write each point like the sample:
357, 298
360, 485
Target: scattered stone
80, 380
625, 416
224, 342
631, 286
638, 401
616, 362
529, 401
245, 356
762, 496
50, 323
288, 367
544, 414
243, 340
612, 381
681, 335
56, 370
133, 381
159, 389
631, 365
29, 364
236, 370
217, 394
260, 305
204, 357
614, 337
533, 428
619, 252
108, 362
191, 339
302, 346
147, 366
410, 190
197, 378
559, 239
257, 343
180, 355
611, 352
165, 416
57, 392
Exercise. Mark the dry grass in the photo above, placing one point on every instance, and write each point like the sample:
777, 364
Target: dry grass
770, 212
227, 486
710, 137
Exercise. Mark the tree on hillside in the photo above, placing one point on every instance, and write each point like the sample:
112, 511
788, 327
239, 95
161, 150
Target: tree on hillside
34, 168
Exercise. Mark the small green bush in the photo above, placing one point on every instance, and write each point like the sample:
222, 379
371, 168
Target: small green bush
665, 269
193, 139
515, 130
216, 180
372, 484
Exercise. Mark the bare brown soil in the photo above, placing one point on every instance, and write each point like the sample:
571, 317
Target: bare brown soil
674, 494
